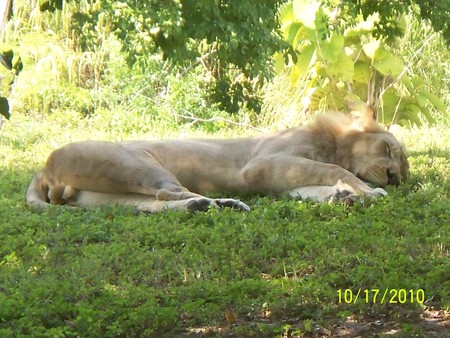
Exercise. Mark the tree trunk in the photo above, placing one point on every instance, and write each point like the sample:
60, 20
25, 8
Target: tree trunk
5, 13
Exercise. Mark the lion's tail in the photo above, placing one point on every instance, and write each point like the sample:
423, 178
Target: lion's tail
37, 193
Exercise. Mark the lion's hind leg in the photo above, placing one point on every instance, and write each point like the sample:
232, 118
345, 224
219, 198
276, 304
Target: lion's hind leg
196, 202
150, 204
172, 197
56, 194
200, 203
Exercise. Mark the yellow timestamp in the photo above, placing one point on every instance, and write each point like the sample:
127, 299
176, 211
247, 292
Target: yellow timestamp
378, 296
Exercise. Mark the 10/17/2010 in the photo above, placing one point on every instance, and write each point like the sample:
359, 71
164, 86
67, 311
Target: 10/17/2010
377, 296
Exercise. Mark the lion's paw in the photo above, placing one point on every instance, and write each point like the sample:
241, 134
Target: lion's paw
378, 192
199, 204
232, 203
204, 204
346, 197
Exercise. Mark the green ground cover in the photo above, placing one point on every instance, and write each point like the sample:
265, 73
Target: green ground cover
284, 269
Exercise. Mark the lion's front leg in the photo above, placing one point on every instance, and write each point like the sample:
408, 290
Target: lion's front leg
340, 192
304, 178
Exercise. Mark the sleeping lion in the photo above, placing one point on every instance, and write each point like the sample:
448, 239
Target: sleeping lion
334, 159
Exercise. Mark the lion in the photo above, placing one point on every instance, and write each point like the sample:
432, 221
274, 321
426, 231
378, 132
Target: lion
336, 158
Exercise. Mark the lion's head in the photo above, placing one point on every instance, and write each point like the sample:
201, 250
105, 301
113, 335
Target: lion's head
369, 151
377, 158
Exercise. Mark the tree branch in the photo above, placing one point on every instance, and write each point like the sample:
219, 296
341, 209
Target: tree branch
195, 119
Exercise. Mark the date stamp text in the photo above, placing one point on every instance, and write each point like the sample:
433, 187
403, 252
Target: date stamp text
378, 296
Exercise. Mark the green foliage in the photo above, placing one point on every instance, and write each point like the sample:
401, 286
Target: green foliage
12, 62
4, 107
437, 12
221, 35
338, 59
59, 80
50, 5
105, 55
233, 34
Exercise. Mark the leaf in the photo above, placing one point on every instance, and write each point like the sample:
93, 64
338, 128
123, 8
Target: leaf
306, 12
421, 100
313, 98
343, 68
6, 58
304, 34
361, 90
362, 72
390, 101
17, 64
304, 61
402, 23
290, 31
4, 107
279, 62
410, 112
354, 102
230, 316
287, 12
387, 63
407, 82
362, 27
383, 60
295, 75
427, 113
334, 97
332, 48
371, 48
418, 82
434, 100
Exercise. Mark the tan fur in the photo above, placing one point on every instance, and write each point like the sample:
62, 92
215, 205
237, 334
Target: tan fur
330, 160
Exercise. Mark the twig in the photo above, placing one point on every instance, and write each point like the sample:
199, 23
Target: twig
195, 119
199, 60
397, 107
406, 67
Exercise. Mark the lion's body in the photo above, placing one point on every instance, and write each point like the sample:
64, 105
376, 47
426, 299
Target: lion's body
320, 161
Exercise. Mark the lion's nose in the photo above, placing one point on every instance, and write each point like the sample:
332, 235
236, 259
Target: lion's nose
393, 178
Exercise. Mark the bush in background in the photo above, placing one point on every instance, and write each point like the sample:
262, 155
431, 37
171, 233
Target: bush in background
340, 57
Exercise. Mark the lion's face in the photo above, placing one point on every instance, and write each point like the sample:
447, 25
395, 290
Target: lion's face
378, 158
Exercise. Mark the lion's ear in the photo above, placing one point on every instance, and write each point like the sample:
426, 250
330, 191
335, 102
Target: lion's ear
363, 116
364, 119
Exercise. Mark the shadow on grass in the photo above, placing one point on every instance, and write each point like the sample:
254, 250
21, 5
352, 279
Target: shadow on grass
429, 321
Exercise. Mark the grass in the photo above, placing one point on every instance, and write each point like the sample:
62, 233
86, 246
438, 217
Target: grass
279, 268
